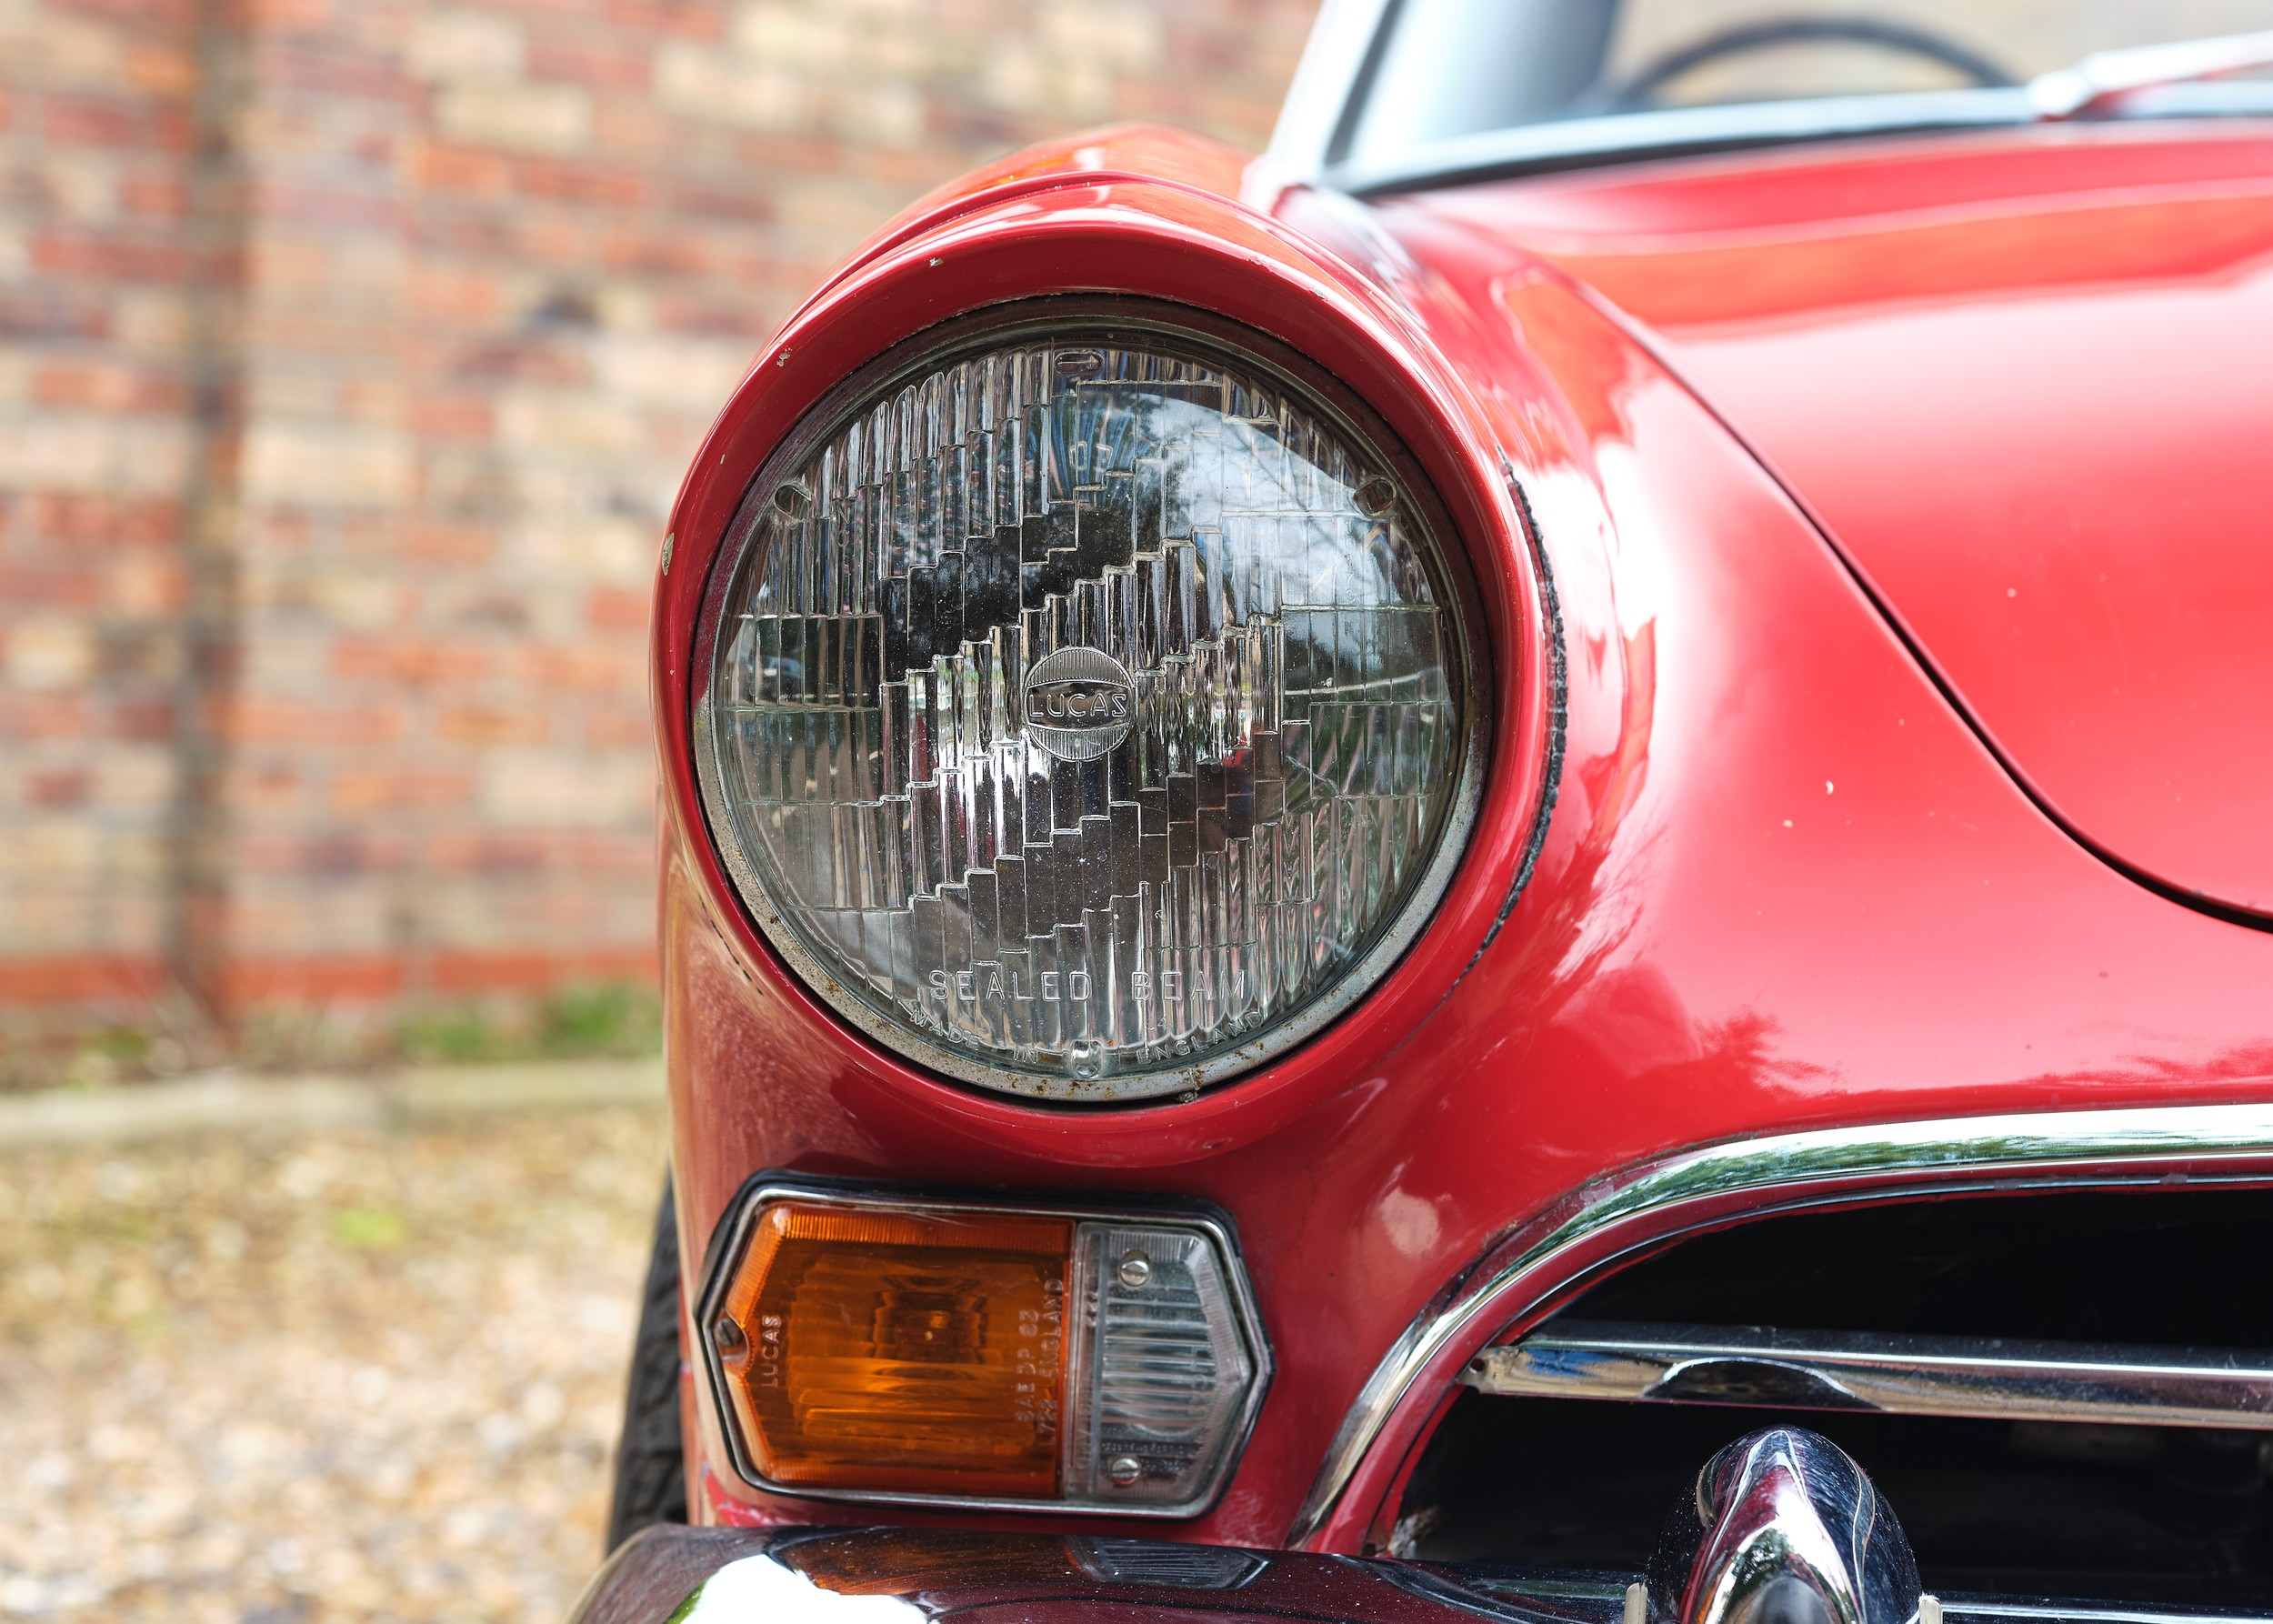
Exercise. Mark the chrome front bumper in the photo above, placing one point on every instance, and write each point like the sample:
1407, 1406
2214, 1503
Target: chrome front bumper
888, 1576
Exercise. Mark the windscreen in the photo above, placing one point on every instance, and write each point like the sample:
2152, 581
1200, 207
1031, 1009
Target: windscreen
1449, 68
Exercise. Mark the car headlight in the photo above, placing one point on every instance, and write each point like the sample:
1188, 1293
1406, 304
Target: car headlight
1087, 708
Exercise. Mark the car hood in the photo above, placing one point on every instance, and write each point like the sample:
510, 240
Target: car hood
2023, 380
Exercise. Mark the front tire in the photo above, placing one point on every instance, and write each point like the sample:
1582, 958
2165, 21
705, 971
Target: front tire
651, 1459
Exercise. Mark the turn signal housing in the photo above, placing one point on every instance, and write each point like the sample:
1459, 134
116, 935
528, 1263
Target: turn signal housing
864, 1347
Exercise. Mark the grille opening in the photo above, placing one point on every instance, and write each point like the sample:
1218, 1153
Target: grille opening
2017, 1506
2173, 1267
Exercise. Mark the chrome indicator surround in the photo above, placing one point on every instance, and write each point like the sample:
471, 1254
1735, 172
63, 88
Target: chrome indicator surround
730, 1243
1893, 1375
1602, 1223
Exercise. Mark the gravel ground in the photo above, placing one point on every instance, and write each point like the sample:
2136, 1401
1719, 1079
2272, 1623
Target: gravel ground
362, 1377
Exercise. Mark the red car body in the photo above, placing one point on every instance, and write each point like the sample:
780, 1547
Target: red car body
1872, 542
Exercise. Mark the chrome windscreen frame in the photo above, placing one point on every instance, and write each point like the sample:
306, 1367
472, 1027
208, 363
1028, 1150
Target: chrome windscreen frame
1610, 1221
1675, 131
1451, 572
1325, 106
730, 1242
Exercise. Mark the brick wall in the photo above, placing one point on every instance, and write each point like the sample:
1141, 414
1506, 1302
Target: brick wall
96, 114
350, 352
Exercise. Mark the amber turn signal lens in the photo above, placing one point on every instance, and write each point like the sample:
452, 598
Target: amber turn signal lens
861, 1347
922, 1352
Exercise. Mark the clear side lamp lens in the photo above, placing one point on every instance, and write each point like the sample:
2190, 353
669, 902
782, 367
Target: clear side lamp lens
1085, 714
879, 1352
1161, 1366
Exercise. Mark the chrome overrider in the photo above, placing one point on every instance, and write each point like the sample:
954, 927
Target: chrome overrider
1547, 1257
1782, 1527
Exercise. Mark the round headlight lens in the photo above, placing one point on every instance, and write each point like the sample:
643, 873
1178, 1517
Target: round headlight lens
1087, 711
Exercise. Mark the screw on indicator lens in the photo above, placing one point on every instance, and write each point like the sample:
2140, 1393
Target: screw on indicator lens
1135, 1270
1375, 497
1123, 1469
728, 1335
1086, 1059
794, 500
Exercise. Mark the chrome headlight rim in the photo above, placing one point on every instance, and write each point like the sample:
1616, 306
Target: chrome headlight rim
1452, 578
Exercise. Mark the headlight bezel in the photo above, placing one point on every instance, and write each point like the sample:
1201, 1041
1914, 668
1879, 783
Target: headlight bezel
1452, 578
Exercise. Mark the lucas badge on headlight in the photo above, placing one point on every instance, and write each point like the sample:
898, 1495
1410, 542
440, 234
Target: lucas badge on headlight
1086, 712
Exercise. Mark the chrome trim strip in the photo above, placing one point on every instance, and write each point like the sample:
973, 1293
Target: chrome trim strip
1991, 1607
731, 1242
1897, 1375
1596, 1224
